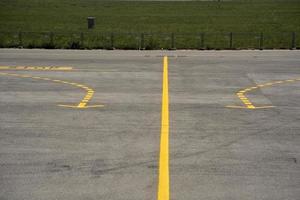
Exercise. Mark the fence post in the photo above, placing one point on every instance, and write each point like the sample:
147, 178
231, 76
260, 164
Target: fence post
173, 41
51, 39
293, 40
261, 41
112, 41
20, 39
81, 39
230, 40
142, 41
71, 40
201, 41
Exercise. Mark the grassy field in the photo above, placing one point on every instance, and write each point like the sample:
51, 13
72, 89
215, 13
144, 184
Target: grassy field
66, 19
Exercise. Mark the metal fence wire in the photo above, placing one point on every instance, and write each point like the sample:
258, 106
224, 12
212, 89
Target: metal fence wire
141, 41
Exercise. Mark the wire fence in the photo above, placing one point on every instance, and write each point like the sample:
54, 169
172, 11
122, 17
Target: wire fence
149, 41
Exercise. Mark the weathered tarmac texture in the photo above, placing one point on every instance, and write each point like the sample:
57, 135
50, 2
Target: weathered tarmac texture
51, 153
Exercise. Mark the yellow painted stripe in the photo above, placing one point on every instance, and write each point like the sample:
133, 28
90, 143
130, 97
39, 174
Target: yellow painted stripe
163, 181
62, 68
54, 68
82, 103
248, 103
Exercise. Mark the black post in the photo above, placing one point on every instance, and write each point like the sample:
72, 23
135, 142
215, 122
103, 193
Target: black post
230, 40
173, 41
112, 41
202, 41
261, 41
81, 40
20, 38
51, 39
142, 41
293, 46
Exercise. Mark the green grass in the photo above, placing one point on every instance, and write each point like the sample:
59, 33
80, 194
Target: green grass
246, 18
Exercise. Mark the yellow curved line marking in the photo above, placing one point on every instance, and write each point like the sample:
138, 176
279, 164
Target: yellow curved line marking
37, 68
82, 104
248, 104
163, 180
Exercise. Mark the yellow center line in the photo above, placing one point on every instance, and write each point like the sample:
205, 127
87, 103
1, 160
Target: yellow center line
82, 103
163, 180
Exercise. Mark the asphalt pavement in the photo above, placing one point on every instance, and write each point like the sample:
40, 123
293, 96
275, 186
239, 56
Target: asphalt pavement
104, 143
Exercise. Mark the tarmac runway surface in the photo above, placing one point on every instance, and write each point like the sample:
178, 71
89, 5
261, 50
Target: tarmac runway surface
77, 124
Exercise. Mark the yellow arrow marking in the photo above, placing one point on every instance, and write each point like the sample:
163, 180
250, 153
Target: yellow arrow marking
37, 68
248, 104
82, 104
163, 181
